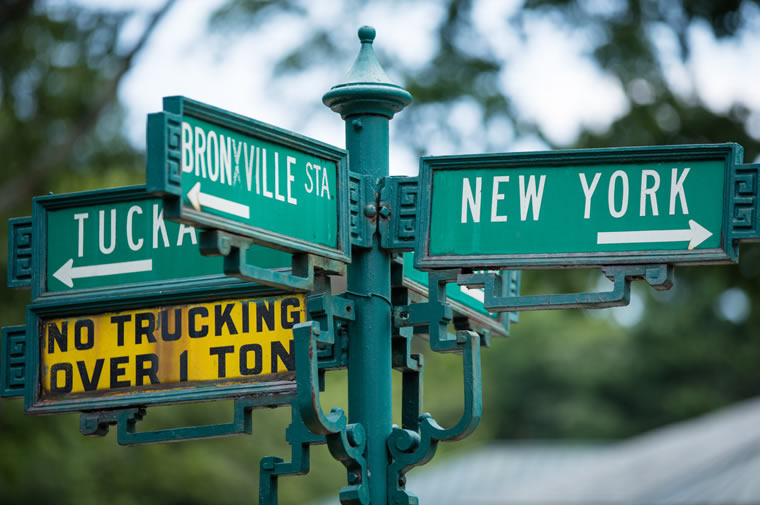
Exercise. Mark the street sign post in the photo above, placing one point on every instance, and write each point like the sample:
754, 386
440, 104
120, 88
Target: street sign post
125, 313
223, 171
579, 208
118, 238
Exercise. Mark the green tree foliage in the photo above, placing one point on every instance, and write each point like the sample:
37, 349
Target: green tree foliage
561, 374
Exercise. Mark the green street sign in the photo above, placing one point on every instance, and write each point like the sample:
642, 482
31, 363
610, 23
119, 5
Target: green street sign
219, 170
582, 208
119, 239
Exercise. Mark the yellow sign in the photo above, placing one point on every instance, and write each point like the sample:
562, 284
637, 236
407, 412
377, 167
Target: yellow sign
228, 341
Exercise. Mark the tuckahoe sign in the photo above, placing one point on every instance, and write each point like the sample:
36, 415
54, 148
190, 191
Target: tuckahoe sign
119, 238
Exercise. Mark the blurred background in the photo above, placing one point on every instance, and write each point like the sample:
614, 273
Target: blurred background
77, 79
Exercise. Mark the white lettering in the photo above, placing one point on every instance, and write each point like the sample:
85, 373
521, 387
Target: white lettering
135, 246
325, 185
200, 150
650, 191
158, 225
618, 174
187, 147
249, 168
213, 168
468, 200
184, 230
531, 195
676, 189
496, 197
317, 178
310, 187
267, 193
291, 161
101, 235
277, 194
225, 159
589, 192
81, 218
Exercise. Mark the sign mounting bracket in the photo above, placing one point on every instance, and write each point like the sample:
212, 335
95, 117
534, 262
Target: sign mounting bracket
233, 248
97, 423
659, 277
399, 199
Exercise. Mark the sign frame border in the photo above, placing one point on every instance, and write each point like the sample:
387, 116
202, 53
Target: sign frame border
164, 174
731, 154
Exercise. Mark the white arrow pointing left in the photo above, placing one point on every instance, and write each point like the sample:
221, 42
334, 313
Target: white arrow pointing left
68, 272
198, 200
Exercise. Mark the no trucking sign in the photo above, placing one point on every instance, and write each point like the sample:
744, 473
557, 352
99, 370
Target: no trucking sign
172, 348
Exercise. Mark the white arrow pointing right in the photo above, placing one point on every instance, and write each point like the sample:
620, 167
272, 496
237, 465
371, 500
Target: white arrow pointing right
695, 235
198, 200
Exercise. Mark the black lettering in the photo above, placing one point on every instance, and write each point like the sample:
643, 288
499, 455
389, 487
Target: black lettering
141, 370
246, 316
183, 366
265, 313
221, 353
167, 336
120, 320
288, 358
244, 368
222, 318
60, 336
146, 330
90, 383
191, 320
290, 318
117, 370
80, 344
68, 378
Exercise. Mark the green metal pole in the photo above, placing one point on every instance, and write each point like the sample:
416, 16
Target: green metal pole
367, 101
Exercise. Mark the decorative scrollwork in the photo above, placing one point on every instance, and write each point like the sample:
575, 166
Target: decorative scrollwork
347, 442
414, 447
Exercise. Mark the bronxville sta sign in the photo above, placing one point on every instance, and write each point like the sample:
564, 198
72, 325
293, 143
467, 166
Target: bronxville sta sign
578, 208
216, 169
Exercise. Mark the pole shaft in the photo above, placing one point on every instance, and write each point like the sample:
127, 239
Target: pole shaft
369, 363
367, 101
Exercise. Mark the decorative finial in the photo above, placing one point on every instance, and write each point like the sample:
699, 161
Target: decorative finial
367, 89
367, 34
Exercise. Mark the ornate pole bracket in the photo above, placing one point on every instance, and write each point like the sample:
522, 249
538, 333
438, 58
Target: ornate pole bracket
495, 300
411, 447
416, 442
272, 467
233, 248
346, 442
96, 424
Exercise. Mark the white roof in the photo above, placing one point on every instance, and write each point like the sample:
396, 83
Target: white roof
710, 460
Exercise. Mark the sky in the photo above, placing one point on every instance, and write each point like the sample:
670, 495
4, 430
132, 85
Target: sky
234, 72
